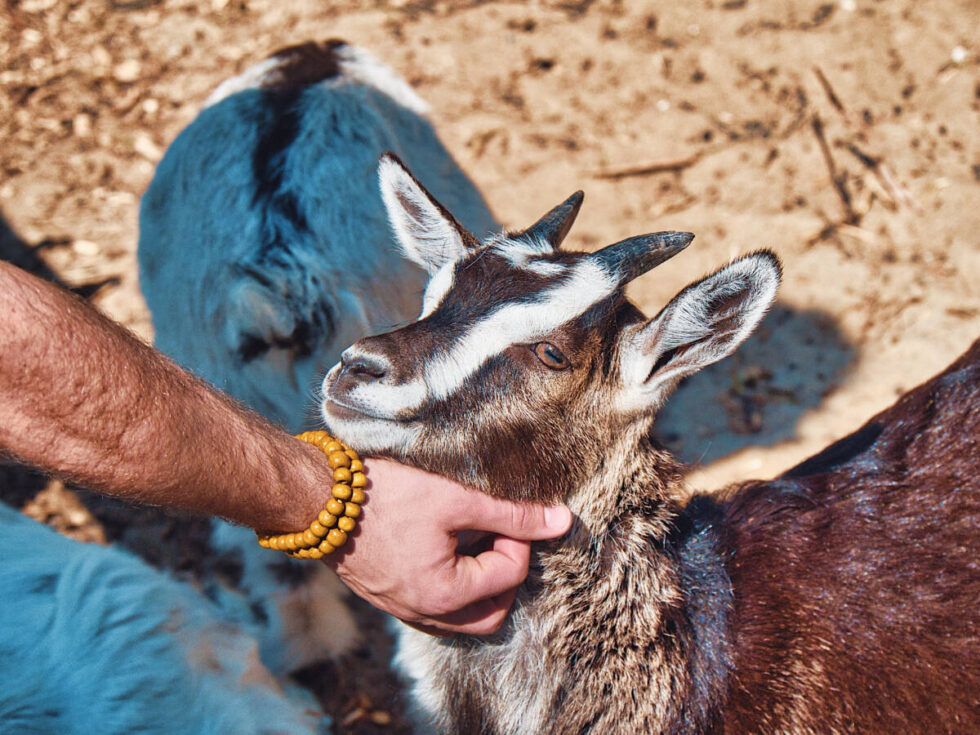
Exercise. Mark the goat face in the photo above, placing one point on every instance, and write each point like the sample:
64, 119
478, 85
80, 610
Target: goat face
527, 361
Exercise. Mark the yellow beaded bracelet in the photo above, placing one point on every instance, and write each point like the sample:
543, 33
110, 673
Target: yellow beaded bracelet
330, 529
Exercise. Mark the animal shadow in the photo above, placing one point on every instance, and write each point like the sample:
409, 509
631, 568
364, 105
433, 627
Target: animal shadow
757, 396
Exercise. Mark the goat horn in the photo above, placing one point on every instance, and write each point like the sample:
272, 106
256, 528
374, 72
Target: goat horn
634, 256
555, 225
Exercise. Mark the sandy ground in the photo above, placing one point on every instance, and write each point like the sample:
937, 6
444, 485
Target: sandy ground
843, 135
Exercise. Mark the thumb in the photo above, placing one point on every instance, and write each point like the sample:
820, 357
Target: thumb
526, 521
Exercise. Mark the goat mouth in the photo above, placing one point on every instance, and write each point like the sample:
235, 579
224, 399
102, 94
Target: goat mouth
345, 411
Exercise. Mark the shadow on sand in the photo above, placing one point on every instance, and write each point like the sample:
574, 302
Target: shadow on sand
757, 396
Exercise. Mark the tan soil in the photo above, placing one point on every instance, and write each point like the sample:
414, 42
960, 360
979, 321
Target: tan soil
845, 136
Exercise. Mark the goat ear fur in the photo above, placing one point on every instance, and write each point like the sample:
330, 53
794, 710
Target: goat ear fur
428, 234
702, 324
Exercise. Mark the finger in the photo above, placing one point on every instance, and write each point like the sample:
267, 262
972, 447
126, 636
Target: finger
491, 573
528, 521
482, 617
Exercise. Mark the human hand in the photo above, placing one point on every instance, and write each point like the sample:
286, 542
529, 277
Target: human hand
404, 558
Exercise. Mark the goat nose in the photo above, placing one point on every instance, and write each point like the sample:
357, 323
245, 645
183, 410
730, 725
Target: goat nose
363, 366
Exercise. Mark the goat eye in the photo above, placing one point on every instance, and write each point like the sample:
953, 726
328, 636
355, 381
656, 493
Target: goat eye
550, 355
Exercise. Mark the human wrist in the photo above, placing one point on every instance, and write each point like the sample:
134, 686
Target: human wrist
329, 529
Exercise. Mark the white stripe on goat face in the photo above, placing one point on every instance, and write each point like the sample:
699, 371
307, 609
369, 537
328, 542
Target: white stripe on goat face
587, 284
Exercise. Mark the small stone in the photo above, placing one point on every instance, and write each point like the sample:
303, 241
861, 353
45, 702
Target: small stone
144, 145
37, 6
958, 55
81, 124
127, 71
85, 247
101, 57
150, 106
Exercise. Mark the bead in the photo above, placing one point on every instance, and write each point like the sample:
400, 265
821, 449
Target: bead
330, 528
338, 459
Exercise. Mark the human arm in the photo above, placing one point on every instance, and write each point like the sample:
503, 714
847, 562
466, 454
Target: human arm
84, 399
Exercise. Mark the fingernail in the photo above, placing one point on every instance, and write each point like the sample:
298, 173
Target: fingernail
558, 517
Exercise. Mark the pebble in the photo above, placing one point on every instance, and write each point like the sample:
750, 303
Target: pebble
127, 71
81, 124
144, 145
85, 247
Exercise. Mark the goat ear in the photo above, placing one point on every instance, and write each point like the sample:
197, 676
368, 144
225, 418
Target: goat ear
702, 324
428, 234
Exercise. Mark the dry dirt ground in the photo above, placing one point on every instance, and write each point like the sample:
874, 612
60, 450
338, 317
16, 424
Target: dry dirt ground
843, 135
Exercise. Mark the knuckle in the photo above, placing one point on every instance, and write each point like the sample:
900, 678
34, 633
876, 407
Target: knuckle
520, 515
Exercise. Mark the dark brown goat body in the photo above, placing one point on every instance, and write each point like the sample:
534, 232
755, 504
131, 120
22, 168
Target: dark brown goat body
857, 576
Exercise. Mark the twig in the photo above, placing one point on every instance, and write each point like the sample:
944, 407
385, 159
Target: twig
650, 168
880, 169
829, 91
839, 180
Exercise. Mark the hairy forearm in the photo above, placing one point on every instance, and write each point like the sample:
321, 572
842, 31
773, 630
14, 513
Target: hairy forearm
84, 399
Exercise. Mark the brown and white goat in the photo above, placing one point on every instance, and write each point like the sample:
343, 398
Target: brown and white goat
841, 597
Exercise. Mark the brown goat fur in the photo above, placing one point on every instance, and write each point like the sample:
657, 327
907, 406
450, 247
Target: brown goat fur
857, 575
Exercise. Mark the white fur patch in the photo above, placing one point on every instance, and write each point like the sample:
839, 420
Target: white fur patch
252, 78
370, 434
437, 289
524, 255
358, 65
426, 237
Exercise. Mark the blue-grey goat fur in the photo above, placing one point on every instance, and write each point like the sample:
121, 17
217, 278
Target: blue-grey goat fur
94, 640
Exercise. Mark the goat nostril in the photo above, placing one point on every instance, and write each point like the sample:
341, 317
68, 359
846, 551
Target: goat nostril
365, 367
